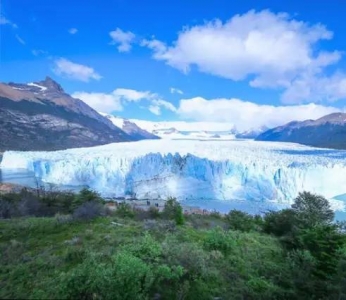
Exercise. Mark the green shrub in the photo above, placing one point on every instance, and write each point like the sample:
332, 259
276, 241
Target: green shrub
124, 210
238, 220
86, 195
88, 211
219, 239
154, 212
173, 211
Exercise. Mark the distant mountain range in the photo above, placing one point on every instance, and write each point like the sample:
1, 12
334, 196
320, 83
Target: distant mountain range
41, 116
130, 128
197, 130
326, 132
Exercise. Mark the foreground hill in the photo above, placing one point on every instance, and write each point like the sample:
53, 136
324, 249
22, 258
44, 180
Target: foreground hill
327, 132
41, 116
65, 246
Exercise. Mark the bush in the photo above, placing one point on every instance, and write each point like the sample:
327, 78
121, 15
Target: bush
7, 209
173, 211
125, 277
219, 239
242, 221
279, 223
124, 210
86, 195
88, 211
30, 206
154, 212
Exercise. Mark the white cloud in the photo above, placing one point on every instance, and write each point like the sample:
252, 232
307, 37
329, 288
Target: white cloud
100, 101
316, 88
156, 110
157, 104
176, 91
269, 50
114, 101
73, 30
19, 39
132, 95
165, 104
122, 39
245, 115
72, 70
5, 21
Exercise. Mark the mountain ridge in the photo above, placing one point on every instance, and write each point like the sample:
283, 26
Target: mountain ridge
326, 132
41, 116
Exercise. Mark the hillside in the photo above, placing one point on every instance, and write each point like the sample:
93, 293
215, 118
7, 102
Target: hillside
41, 116
65, 246
327, 132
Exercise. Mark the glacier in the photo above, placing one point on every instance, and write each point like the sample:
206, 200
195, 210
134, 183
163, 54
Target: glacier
244, 170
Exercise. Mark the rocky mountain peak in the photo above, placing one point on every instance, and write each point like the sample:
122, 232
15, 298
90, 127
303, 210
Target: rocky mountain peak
50, 84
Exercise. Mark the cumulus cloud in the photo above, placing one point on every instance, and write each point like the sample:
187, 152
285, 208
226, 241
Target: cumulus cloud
114, 101
72, 30
246, 115
122, 39
5, 21
268, 50
100, 101
176, 91
75, 71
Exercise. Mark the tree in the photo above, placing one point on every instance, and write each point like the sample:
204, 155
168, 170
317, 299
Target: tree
173, 211
312, 210
242, 221
86, 195
279, 223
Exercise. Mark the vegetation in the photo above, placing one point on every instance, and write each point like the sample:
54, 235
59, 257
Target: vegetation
65, 246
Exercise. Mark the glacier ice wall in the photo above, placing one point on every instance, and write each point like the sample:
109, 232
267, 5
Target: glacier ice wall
225, 170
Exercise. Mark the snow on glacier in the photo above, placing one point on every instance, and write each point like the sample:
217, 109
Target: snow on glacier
220, 170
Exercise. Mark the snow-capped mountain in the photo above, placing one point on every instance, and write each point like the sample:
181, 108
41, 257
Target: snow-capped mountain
42, 116
130, 128
188, 130
251, 133
238, 170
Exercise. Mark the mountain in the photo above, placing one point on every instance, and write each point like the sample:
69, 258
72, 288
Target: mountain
188, 130
251, 133
197, 130
134, 131
41, 116
326, 132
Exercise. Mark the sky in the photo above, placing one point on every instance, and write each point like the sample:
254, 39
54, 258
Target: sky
251, 63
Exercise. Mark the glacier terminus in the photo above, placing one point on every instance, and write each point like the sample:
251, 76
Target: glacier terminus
230, 170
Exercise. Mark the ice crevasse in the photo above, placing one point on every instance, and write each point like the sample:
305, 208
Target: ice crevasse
222, 170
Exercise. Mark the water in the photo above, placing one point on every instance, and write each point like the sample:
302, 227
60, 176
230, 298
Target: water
19, 176
27, 178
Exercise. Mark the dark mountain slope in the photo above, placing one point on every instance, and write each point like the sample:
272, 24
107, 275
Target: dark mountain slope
327, 132
41, 116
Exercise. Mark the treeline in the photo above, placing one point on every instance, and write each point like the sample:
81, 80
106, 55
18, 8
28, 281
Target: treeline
82, 250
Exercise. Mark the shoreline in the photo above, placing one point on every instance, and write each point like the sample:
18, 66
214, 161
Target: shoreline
159, 204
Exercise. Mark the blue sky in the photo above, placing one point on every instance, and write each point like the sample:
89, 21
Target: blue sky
226, 60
